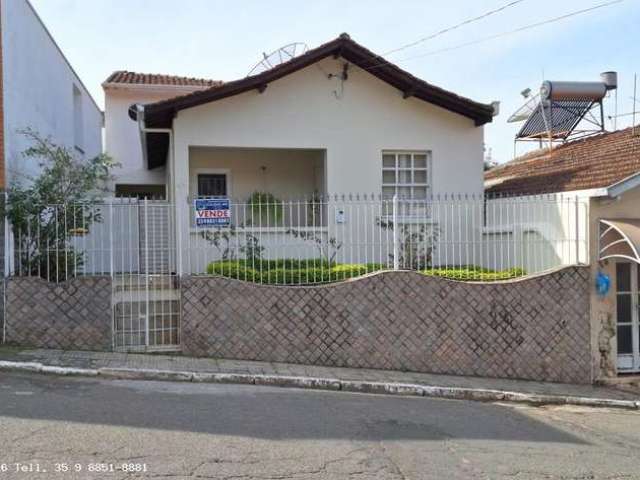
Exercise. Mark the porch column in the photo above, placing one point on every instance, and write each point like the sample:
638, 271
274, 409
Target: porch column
180, 197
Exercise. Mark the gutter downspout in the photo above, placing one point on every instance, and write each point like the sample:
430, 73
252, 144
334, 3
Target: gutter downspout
141, 130
171, 171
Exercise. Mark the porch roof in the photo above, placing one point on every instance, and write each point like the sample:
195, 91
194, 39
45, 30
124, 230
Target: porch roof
620, 238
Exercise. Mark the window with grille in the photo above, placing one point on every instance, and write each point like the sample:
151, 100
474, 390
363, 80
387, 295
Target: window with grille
212, 185
406, 174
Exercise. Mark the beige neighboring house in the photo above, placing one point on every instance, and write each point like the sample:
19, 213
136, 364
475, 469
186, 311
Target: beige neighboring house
605, 169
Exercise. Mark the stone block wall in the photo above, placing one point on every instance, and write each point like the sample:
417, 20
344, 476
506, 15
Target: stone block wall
536, 328
74, 315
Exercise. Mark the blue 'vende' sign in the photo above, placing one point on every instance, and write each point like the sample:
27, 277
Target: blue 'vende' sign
212, 212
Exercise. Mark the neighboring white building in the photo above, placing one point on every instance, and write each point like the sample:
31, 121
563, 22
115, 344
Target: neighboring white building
122, 136
41, 91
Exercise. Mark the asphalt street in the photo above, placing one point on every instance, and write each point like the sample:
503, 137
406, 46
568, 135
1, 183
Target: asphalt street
79, 428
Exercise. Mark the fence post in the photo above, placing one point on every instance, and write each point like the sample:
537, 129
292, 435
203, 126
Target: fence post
146, 270
111, 259
396, 232
577, 213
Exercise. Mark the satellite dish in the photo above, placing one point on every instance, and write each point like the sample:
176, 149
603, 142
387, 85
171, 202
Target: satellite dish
525, 110
275, 58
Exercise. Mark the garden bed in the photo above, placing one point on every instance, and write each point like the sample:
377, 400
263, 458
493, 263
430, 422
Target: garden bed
313, 271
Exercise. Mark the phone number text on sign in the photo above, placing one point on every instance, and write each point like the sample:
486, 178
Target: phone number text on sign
212, 212
31, 468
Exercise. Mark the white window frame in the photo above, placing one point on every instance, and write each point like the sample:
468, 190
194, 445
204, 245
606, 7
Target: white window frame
396, 185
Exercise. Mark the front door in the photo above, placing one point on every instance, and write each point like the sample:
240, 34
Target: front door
627, 306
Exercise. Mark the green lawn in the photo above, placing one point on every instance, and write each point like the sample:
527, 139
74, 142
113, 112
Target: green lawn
305, 272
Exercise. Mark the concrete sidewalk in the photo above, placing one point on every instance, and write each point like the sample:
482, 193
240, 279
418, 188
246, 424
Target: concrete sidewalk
178, 368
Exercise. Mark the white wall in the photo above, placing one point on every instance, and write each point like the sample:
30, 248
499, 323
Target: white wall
288, 174
302, 111
537, 232
353, 125
38, 91
122, 136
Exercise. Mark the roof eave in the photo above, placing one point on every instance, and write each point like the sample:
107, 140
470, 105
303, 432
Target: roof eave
160, 114
624, 185
152, 87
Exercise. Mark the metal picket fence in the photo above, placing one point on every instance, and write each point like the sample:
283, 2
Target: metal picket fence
304, 241
129, 240
330, 238
145, 246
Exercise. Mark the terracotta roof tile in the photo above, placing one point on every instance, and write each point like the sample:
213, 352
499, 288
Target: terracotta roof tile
593, 162
135, 78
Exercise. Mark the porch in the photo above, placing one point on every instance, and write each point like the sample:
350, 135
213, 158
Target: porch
239, 173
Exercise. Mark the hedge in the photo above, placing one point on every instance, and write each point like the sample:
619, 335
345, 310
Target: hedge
305, 272
475, 274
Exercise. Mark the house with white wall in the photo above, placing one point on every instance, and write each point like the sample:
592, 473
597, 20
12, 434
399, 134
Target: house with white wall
604, 172
323, 119
337, 119
40, 90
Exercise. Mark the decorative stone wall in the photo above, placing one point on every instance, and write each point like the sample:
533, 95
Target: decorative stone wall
74, 315
536, 328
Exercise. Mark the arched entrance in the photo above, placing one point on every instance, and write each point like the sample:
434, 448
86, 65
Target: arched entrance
620, 240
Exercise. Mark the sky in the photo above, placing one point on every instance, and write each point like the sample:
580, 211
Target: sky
223, 39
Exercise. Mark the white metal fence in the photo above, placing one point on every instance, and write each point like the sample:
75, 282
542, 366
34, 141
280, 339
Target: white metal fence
326, 239
130, 240
315, 240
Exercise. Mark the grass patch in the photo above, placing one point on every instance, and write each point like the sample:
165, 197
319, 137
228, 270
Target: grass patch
305, 272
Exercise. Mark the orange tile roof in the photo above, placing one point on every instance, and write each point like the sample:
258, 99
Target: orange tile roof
135, 78
593, 162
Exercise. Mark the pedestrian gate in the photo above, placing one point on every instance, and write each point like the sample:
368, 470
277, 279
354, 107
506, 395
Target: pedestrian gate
146, 294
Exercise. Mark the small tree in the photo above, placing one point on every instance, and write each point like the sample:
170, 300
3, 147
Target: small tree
252, 249
417, 244
221, 239
50, 209
328, 247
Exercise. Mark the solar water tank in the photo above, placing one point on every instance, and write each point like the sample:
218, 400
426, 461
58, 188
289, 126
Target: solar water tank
594, 91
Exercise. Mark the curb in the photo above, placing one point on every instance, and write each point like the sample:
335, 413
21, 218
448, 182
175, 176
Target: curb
331, 384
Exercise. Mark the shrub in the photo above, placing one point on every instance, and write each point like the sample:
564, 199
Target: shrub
305, 272
288, 271
476, 274
266, 209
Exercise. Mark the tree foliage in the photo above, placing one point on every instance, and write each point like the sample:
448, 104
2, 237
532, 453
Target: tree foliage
48, 211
